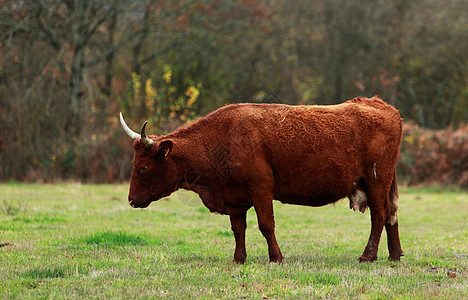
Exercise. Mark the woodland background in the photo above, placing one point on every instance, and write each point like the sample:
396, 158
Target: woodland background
67, 67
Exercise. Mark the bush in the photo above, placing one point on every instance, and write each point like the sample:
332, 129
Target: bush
434, 156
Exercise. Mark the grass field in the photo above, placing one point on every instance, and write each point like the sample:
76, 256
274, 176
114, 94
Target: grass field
84, 241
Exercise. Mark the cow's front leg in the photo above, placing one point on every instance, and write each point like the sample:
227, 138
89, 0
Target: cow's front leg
266, 224
238, 225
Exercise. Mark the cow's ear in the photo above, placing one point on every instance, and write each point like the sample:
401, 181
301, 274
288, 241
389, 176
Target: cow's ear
164, 149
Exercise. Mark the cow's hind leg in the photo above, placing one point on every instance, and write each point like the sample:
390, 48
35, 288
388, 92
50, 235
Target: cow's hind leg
238, 225
377, 197
393, 238
394, 246
266, 223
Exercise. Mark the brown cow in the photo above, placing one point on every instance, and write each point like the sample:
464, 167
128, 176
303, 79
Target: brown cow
245, 155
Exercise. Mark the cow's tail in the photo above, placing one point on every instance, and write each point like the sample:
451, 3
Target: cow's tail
393, 197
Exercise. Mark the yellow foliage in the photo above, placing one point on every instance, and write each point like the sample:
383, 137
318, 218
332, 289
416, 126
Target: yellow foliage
193, 93
150, 94
409, 139
136, 81
167, 76
136, 84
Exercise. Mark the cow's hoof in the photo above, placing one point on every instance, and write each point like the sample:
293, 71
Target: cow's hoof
276, 260
395, 257
276, 257
239, 259
366, 259
279, 262
239, 262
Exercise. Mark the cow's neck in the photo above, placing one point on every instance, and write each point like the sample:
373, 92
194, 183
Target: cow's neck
193, 164
194, 180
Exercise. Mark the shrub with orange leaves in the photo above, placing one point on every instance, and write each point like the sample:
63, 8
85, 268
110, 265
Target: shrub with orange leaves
434, 156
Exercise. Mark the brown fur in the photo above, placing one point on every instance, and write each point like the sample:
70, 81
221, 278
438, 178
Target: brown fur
245, 155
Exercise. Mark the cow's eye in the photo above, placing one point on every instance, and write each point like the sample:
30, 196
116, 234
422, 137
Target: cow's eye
143, 169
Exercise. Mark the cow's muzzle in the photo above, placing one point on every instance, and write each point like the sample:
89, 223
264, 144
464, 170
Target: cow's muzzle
136, 204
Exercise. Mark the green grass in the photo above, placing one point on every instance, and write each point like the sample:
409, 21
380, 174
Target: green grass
72, 241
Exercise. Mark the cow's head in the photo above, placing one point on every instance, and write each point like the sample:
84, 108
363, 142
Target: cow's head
154, 173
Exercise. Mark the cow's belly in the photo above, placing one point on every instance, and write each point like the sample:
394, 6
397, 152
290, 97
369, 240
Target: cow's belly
302, 199
316, 188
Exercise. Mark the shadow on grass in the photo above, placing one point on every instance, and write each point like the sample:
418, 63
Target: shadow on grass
198, 258
326, 259
323, 260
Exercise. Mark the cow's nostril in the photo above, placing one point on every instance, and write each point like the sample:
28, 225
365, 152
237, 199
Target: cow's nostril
130, 201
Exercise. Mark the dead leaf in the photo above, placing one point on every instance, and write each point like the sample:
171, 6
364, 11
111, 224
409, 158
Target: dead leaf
451, 274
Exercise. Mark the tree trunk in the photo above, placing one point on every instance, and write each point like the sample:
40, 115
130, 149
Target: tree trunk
76, 81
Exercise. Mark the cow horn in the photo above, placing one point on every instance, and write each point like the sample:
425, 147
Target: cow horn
144, 138
127, 129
